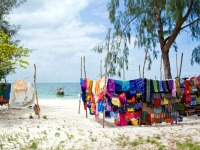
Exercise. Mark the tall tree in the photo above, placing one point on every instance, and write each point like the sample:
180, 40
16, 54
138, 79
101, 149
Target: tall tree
11, 53
154, 22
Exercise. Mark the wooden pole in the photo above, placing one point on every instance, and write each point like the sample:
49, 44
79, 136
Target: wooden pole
86, 113
161, 68
80, 91
181, 66
139, 72
101, 69
145, 58
176, 65
38, 108
106, 71
123, 70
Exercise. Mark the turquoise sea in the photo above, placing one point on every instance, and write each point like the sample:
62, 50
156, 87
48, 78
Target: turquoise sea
48, 91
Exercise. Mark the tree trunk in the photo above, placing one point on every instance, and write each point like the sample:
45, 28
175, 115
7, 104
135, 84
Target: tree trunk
167, 68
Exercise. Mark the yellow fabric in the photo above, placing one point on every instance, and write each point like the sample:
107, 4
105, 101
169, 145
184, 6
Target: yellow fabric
97, 89
166, 101
134, 122
116, 102
130, 109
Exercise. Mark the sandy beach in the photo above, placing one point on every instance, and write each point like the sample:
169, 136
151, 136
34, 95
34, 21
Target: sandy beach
61, 127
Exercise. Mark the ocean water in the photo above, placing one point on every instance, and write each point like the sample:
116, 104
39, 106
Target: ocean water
48, 91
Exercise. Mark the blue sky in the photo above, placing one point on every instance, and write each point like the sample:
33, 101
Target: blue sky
61, 32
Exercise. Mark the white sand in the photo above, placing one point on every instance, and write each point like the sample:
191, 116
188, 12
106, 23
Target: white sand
64, 128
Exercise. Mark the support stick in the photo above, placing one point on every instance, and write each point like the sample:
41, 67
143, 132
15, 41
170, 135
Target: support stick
38, 108
86, 113
139, 72
181, 66
145, 58
161, 68
123, 70
80, 91
101, 69
106, 65
176, 65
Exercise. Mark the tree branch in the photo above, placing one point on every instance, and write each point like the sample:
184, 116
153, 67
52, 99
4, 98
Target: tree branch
188, 11
177, 27
133, 19
190, 23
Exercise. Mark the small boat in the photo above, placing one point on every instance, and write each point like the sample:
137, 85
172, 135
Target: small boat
60, 91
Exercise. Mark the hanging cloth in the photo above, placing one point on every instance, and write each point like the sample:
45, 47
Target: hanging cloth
178, 89
161, 88
7, 92
118, 85
125, 86
139, 85
111, 85
155, 86
174, 88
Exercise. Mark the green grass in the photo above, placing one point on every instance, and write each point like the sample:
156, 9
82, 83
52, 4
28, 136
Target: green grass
57, 134
44, 117
188, 145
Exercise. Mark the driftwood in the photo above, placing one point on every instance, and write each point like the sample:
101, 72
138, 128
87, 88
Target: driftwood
36, 107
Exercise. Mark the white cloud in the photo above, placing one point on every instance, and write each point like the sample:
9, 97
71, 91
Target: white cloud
58, 36
61, 31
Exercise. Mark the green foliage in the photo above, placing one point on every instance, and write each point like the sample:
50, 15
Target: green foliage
6, 6
11, 55
151, 22
188, 145
196, 55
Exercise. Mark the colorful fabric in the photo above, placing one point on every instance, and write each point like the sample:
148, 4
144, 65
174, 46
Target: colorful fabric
174, 89
198, 78
166, 86
2, 86
161, 88
125, 86
118, 85
148, 90
166, 101
155, 86
7, 92
132, 85
170, 85
139, 85
111, 85
116, 102
122, 98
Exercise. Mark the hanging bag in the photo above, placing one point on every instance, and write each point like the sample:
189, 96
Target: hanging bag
36, 109
20, 85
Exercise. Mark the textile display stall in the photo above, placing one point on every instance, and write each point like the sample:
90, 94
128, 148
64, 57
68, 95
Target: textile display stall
20, 94
142, 101
190, 100
92, 95
4, 93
